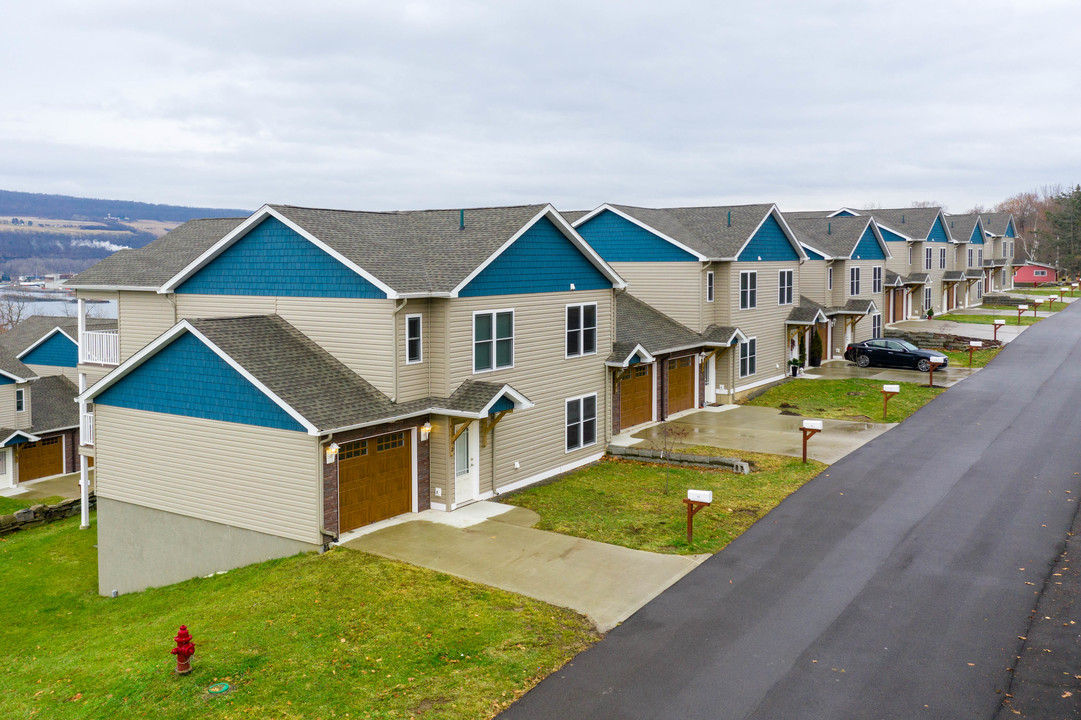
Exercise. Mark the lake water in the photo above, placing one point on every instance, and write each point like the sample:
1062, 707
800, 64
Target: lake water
52, 304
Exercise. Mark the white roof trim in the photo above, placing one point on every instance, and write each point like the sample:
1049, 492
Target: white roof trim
113, 288
899, 234
568, 231
653, 231
837, 213
43, 338
184, 326
813, 321
29, 437
737, 334
17, 378
825, 255
644, 356
261, 214
878, 237
776, 213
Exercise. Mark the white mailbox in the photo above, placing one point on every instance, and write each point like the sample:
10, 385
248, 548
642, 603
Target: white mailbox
1053, 298
812, 424
702, 496
1022, 307
976, 343
1000, 321
1073, 285
891, 388
938, 359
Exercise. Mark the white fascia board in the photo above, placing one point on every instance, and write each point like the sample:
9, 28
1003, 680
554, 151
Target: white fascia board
113, 288
825, 255
881, 240
647, 228
182, 327
644, 356
898, 233
776, 213
17, 378
819, 317
945, 225
29, 437
564, 227
521, 402
737, 334
837, 213
43, 338
258, 216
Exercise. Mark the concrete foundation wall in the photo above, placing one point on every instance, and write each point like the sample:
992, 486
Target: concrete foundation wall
139, 547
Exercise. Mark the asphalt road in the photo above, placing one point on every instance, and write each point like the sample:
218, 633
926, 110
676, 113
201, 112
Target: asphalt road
900, 583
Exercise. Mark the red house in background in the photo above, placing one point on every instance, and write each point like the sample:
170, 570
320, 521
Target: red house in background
1035, 273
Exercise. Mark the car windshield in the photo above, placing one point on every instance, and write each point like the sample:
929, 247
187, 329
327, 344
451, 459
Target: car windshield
907, 345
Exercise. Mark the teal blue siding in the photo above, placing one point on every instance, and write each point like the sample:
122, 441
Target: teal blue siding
868, 248
844, 213
1009, 229
977, 235
541, 260
187, 378
503, 403
5, 380
890, 236
58, 351
15, 441
938, 232
617, 239
273, 260
812, 254
769, 243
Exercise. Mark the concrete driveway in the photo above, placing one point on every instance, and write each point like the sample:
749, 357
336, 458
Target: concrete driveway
496, 545
766, 430
1006, 333
837, 369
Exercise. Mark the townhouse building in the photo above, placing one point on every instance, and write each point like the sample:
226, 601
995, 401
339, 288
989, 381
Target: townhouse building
278, 381
1001, 238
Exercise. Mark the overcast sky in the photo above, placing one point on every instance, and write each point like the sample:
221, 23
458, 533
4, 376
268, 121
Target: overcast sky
407, 105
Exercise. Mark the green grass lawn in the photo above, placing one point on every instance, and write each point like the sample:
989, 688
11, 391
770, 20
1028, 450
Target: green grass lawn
1040, 291
959, 358
344, 634
624, 502
845, 399
1010, 311
1026, 319
8, 505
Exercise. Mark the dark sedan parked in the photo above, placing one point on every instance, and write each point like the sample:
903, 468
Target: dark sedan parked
892, 353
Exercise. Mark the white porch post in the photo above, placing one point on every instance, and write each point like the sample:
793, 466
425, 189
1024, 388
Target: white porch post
84, 463
81, 330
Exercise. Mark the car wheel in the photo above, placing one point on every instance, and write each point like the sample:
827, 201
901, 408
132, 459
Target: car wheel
923, 365
863, 360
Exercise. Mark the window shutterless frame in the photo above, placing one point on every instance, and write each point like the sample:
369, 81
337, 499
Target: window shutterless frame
784, 287
493, 340
829, 278
748, 357
854, 281
414, 339
581, 329
928, 256
581, 422
876, 279
20, 400
709, 286
748, 289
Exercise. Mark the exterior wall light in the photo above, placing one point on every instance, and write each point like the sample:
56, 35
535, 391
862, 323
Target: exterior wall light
425, 430
332, 452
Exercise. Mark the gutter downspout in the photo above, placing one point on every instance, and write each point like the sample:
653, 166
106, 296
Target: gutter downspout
394, 323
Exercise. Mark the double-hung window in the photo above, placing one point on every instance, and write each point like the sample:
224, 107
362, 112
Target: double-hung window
829, 278
927, 298
854, 281
979, 257
748, 357
20, 400
748, 290
910, 256
942, 258
876, 279
581, 329
928, 256
581, 422
414, 352
876, 325
969, 257
493, 340
784, 287
709, 286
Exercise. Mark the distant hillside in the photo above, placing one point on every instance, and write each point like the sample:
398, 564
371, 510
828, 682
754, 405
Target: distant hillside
65, 207
42, 234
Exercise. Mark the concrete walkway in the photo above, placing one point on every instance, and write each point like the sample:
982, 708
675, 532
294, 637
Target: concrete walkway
65, 486
1006, 333
496, 545
767, 430
839, 369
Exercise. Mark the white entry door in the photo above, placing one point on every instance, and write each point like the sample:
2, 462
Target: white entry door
711, 379
466, 477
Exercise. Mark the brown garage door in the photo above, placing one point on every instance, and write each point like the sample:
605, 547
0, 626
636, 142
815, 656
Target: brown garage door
636, 396
41, 459
680, 384
375, 479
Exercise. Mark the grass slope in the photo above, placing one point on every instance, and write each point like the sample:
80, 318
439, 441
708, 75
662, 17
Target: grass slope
846, 399
8, 505
988, 319
344, 634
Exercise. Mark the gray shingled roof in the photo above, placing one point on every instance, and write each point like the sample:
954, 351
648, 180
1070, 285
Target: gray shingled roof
719, 334
52, 404
892, 279
916, 223
13, 366
471, 397
572, 216
640, 324
961, 226
953, 276
917, 279
836, 237
152, 265
804, 313
35, 327
973, 274
852, 306
996, 223
706, 230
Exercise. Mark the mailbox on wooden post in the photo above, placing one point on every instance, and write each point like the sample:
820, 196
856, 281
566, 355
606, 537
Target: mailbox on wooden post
973, 345
1020, 309
936, 362
695, 501
888, 391
997, 324
809, 428
1035, 306
1051, 302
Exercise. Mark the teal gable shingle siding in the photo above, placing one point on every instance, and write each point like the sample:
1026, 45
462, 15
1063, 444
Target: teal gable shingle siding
977, 235
812, 254
768, 244
845, 213
15, 441
273, 260
57, 351
5, 380
503, 403
541, 260
617, 239
890, 236
868, 248
938, 232
1009, 230
188, 378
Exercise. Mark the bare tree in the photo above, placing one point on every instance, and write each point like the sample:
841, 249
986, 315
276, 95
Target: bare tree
928, 204
672, 436
12, 310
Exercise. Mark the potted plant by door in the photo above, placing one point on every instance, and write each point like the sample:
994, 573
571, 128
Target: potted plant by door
815, 356
794, 363
930, 313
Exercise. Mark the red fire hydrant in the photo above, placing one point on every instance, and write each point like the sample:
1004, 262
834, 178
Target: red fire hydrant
184, 649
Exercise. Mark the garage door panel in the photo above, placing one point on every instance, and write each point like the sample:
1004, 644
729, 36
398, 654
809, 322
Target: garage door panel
636, 396
375, 479
41, 459
680, 384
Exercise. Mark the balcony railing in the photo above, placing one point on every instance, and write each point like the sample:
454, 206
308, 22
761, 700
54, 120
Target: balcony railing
86, 429
100, 347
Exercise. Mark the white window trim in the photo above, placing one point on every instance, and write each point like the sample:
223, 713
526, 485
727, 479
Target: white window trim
910, 256
928, 258
829, 278
20, 400
926, 299
473, 345
749, 273
876, 279
420, 338
791, 286
581, 330
854, 285
710, 287
739, 360
581, 422
942, 258
1039, 273
876, 319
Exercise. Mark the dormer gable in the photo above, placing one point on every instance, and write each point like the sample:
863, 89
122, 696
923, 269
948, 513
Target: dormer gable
770, 243
617, 238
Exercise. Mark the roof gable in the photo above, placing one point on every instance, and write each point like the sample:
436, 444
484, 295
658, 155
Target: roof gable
542, 259
868, 248
1009, 229
618, 239
55, 349
938, 232
185, 377
272, 259
890, 236
811, 254
769, 243
977, 234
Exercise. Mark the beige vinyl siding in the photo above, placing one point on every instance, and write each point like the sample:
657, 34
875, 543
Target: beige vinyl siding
535, 438
23, 420
142, 317
93, 373
262, 479
812, 281
439, 463
674, 288
436, 347
767, 321
358, 332
51, 370
413, 379
7, 405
